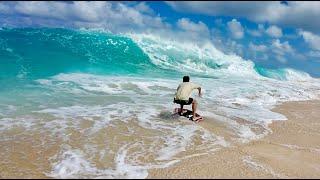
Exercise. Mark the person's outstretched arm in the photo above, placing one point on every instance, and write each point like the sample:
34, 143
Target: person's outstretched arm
199, 89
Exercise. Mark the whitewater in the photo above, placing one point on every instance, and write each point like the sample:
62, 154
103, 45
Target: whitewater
101, 103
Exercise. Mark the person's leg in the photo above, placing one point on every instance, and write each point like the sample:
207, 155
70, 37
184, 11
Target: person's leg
181, 108
194, 108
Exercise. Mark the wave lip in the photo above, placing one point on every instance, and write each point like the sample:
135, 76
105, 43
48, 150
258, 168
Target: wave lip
284, 74
186, 57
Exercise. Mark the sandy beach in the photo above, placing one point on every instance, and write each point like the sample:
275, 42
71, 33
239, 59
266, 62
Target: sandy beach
292, 150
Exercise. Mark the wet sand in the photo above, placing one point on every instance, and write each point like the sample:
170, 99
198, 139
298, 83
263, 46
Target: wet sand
292, 150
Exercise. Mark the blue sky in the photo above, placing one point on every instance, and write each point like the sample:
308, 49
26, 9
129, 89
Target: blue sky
272, 34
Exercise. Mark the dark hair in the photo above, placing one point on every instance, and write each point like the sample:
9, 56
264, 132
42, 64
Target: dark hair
186, 78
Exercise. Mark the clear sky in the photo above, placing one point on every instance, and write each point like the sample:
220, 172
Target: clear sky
273, 34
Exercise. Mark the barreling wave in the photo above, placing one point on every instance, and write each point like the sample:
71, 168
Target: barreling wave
39, 52
34, 53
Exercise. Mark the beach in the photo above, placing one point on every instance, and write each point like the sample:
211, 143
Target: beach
291, 151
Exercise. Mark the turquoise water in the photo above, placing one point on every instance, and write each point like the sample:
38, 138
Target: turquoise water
52, 80
36, 53
28, 54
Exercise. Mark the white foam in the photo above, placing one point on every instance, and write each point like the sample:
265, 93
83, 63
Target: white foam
109, 85
72, 165
232, 97
191, 57
176, 135
177, 142
294, 75
259, 167
225, 99
100, 116
27, 122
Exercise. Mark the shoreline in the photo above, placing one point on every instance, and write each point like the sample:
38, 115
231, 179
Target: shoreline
292, 150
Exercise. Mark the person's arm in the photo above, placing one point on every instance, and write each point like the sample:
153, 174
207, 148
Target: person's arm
196, 86
199, 89
175, 94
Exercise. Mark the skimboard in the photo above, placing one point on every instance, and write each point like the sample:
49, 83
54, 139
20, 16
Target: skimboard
188, 114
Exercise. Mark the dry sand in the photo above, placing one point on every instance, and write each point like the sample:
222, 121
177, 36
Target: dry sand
292, 150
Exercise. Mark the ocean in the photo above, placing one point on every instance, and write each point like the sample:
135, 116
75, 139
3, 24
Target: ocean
89, 103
